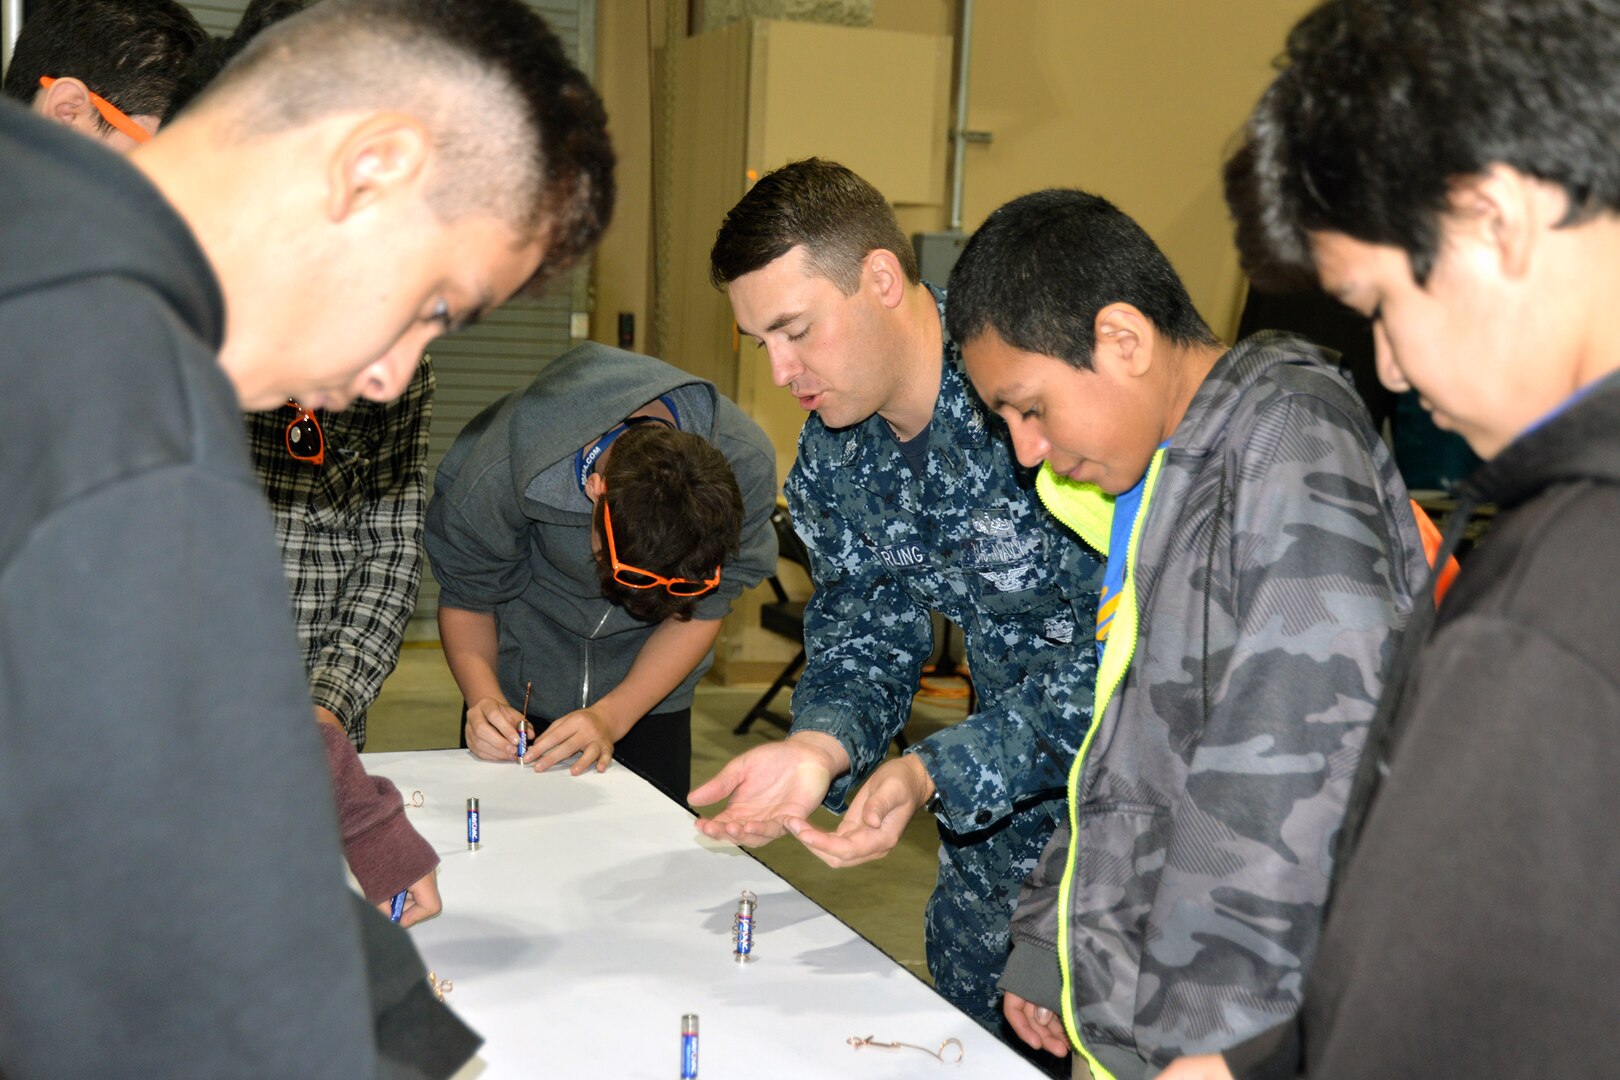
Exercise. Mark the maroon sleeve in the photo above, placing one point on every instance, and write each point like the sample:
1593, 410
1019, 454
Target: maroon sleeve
385, 853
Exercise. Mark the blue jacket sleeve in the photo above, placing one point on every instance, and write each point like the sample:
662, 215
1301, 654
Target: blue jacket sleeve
865, 639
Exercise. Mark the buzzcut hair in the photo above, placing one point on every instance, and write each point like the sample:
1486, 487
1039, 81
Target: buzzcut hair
838, 217
131, 52
1379, 106
1041, 267
677, 511
518, 131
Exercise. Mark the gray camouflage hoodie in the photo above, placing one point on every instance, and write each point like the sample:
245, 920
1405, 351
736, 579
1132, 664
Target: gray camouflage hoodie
1271, 568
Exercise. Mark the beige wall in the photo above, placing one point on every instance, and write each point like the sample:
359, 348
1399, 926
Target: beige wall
1136, 101
917, 16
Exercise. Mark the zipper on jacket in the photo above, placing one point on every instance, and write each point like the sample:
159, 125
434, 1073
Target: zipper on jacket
585, 683
1103, 698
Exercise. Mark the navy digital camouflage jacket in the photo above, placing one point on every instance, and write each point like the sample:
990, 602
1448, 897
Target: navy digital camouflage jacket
970, 540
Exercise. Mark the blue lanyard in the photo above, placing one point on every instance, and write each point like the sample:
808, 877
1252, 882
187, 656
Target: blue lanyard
585, 459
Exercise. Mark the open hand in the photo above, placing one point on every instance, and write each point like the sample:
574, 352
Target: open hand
876, 818
768, 785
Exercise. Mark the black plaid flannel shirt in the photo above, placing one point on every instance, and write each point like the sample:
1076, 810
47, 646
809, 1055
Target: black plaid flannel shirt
350, 533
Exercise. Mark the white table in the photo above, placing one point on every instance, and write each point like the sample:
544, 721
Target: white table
594, 916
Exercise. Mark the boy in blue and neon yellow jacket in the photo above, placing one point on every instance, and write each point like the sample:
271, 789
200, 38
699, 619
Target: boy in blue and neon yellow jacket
1262, 558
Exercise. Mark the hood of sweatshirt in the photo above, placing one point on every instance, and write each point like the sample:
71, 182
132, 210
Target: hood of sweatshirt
74, 209
586, 390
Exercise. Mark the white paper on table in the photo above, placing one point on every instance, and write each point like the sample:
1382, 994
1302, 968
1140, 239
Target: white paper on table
594, 916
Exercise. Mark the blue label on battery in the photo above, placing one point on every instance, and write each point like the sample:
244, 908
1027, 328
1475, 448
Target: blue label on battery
689, 1057
472, 826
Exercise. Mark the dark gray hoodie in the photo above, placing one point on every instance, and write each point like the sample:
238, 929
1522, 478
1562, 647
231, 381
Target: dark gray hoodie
172, 899
509, 533
1475, 923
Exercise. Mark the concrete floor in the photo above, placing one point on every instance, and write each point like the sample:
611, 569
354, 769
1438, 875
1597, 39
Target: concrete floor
883, 901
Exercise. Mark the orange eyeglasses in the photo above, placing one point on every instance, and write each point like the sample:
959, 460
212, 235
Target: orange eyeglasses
305, 439
109, 112
633, 577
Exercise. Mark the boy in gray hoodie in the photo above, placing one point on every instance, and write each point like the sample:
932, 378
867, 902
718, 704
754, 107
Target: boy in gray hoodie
1262, 558
588, 534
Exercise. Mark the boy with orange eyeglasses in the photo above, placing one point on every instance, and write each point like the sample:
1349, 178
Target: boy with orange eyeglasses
127, 59
588, 533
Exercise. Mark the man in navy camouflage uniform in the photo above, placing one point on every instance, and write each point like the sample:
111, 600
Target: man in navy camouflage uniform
906, 494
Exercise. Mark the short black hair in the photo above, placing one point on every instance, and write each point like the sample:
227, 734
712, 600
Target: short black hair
217, 51
131, 52
519, 132
1380, 105
677, 511
1041, 267
836, 215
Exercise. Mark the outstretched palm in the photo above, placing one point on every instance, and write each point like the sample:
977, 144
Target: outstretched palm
764, 787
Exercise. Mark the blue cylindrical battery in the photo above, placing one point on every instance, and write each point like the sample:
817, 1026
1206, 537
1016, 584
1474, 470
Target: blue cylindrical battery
472, 825
689, 1047
742, 928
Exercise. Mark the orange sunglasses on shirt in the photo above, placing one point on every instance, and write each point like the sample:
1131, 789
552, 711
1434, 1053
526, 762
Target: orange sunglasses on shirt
633, 577
305, 439
109, 112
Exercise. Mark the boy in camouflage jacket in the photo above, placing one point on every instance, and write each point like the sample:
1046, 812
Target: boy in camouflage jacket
1253, 599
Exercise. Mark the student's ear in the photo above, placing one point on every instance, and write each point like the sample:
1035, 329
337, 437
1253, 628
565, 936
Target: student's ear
383, 155
594, 486
68, 103
1506, 212
1124, 340
883, 271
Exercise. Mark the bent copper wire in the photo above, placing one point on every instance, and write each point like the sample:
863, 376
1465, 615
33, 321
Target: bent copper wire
857, 1042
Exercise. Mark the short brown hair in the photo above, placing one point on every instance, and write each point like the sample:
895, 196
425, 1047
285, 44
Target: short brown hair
837, 216
677, 511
